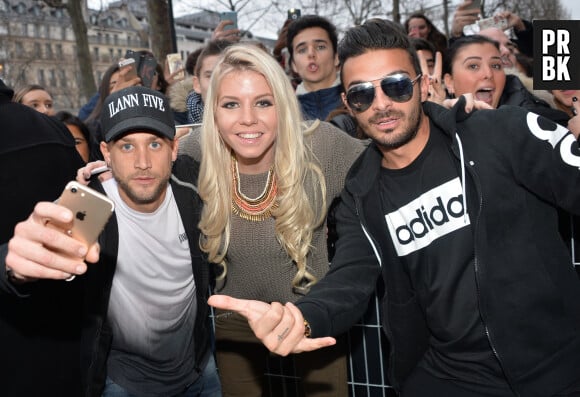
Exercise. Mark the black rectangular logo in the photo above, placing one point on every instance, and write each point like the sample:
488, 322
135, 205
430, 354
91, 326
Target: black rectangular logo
556, 55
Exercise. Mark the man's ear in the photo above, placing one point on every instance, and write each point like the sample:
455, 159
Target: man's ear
105, 151
424, 87
196, 85
175, 143
336, 63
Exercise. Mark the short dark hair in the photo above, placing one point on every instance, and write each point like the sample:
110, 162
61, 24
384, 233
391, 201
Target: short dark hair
451, 53
70, 119
191, 61
214, 47
375, 34
423, 45
306, 22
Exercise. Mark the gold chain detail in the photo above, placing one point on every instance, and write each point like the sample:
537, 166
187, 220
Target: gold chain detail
260, 208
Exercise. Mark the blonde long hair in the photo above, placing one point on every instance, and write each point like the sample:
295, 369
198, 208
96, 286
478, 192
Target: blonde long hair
297, 215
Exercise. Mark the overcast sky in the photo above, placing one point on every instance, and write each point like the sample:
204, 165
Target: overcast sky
573, 6
271, 22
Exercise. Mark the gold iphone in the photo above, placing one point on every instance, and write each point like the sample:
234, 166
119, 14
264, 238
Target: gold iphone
91, 211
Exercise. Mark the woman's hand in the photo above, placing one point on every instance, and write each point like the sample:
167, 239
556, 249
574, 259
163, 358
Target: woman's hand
99, 167
463, 16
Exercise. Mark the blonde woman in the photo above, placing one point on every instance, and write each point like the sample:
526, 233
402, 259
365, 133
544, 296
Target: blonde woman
267, 179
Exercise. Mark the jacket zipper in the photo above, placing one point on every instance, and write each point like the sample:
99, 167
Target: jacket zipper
477, 284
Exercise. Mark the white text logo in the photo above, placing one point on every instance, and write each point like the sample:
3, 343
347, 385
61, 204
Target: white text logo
436, 213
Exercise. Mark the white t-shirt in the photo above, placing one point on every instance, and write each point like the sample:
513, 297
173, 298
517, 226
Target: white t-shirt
152, 304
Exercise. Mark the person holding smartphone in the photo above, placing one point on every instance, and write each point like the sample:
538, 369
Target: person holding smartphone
468, 13
146, 327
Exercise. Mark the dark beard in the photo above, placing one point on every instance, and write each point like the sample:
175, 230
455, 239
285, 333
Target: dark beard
408, 135
140, 200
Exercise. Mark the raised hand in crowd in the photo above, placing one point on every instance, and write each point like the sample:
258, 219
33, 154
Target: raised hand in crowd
221, 33
436, 88
125, 79
513, 20
464, 15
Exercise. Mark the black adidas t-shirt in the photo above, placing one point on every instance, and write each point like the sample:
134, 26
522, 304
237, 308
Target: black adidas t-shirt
423, 205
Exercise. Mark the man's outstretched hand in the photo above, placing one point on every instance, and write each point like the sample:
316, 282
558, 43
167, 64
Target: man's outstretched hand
279, 327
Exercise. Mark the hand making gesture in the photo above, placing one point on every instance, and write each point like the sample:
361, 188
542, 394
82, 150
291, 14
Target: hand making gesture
436, 88
280, 327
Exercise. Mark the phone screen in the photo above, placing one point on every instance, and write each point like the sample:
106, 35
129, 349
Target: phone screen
175, 63
132, 73
293, 13
147, 71
475, 4
230, 16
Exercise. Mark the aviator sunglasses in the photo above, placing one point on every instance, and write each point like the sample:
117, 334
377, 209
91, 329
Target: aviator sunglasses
398, 87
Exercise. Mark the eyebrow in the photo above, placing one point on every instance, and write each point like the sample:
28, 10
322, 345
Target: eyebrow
317, 41
257, 97
478, 58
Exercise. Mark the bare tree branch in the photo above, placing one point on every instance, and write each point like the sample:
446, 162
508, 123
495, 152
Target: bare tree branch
75, 11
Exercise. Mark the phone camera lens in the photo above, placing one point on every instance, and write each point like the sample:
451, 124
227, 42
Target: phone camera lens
73, 190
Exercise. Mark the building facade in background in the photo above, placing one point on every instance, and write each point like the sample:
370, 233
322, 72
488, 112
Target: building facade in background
38, 46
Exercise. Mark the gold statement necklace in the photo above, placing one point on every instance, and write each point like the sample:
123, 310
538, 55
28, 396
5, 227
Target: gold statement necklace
260, 208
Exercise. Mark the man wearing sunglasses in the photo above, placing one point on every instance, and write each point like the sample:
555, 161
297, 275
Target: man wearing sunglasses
458, 214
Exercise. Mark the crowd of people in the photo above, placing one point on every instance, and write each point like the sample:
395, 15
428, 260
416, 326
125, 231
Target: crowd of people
394, 162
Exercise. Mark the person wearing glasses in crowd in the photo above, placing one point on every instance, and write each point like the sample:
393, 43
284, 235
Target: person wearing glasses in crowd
459, 217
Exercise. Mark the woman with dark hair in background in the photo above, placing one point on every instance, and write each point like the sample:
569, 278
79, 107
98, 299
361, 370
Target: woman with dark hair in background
84, 142
473, 64
418, 25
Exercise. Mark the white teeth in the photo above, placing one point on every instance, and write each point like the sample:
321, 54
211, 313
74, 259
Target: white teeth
250, 136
